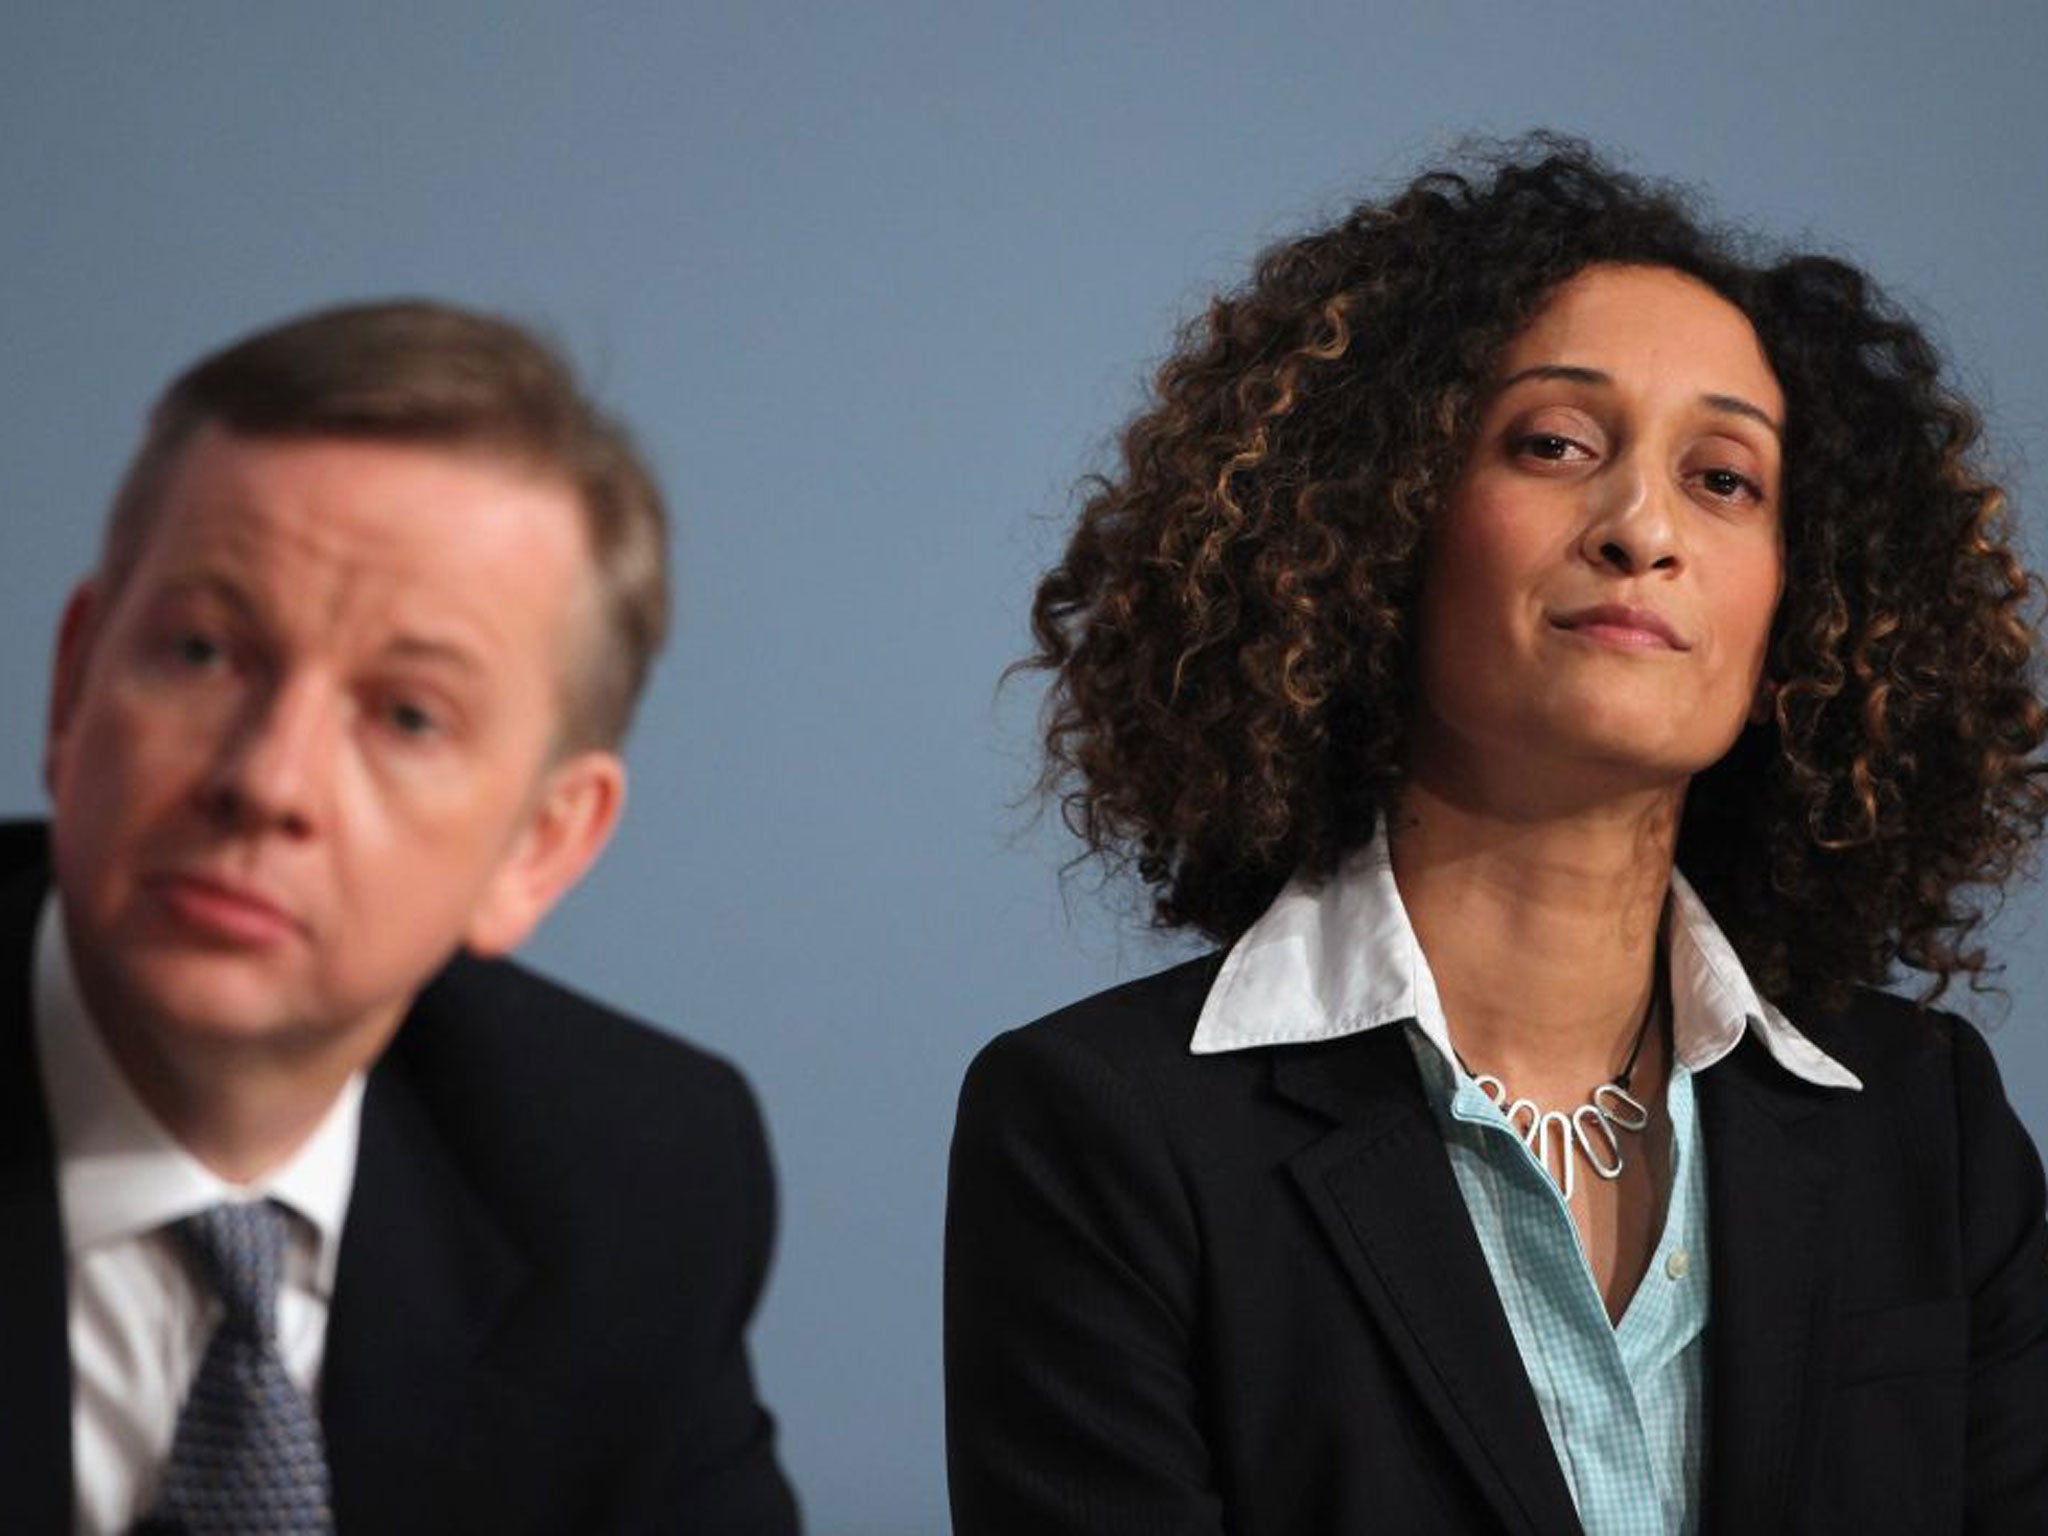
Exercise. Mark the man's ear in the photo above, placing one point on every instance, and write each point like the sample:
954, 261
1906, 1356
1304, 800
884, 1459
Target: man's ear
76, 631
570, 822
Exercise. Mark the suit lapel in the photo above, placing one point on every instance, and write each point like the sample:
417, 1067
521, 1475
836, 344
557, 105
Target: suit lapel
1771, 1152
35, 1383
1381, 1186
424, 1274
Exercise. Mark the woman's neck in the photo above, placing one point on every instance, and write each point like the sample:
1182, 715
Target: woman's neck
1541, 933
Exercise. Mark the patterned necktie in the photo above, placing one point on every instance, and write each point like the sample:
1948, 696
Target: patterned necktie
247, 1459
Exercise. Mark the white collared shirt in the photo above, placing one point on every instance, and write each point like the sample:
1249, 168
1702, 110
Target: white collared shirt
1337, 956
139, 1324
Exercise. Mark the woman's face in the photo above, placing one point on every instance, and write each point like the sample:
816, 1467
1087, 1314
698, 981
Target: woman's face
1598, 590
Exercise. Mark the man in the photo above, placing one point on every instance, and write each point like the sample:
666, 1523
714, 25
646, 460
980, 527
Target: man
318, 1216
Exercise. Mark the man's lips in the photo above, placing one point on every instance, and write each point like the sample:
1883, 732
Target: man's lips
1624, 626
222, 909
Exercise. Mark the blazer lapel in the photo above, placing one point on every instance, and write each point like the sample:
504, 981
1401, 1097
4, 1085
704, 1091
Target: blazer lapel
1771, 1152
1382, 1188
35, 1384
424, 1274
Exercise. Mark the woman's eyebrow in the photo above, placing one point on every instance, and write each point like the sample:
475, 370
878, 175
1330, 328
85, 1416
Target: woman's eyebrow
1734, 405
1565, 371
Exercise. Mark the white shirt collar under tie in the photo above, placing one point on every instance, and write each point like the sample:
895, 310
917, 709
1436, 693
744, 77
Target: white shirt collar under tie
1338, 956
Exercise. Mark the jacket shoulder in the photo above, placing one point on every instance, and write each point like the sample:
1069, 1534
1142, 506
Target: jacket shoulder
529, 1078
1135, 1026
501, 1012
1885, 1039
23, 845
1123, 1051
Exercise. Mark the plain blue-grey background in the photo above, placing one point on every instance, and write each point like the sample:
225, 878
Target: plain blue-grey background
876, 283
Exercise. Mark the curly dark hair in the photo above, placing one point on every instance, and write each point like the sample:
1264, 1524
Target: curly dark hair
1229, 628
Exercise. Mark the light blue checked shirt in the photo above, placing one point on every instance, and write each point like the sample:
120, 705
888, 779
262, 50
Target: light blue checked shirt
1624, 1403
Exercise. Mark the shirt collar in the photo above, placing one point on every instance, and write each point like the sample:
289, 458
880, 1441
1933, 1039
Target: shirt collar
120, 1174
1337, 956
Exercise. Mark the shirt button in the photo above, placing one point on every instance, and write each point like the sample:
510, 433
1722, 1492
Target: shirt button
1679, 1264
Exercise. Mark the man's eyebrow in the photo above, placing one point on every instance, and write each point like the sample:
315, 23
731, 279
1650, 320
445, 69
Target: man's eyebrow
429, 649
204, 582
1733, 405
434, 650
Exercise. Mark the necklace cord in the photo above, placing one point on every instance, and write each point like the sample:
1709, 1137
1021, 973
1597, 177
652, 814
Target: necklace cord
1658, 986
1618, 1111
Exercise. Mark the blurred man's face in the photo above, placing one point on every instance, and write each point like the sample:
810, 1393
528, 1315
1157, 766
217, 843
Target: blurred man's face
309, 746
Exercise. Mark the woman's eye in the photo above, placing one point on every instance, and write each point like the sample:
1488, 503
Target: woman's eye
1727, 483
1551, 446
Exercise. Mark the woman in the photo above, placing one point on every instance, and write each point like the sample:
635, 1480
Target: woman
1495, 555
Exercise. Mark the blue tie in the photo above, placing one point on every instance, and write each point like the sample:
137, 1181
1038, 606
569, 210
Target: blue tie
247, 1459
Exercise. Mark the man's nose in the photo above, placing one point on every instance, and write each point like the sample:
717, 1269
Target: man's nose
271, 770
1633, 523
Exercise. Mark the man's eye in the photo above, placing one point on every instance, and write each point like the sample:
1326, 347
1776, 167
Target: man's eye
196, 650
410, 719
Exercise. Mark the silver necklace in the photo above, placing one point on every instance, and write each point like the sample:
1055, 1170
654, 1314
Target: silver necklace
1593, 1129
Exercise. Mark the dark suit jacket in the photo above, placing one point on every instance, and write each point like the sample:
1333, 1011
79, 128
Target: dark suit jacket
559, 1225
1241, 1293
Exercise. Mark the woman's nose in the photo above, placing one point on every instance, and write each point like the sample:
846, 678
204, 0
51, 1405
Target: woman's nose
1632, 526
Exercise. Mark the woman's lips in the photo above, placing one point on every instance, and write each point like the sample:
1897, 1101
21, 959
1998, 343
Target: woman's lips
1621, 626
223, 910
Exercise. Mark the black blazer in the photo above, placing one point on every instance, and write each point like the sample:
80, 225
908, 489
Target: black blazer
558, 1229
1241, 1293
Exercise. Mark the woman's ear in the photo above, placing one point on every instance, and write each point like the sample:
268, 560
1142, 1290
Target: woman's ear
1765, 704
